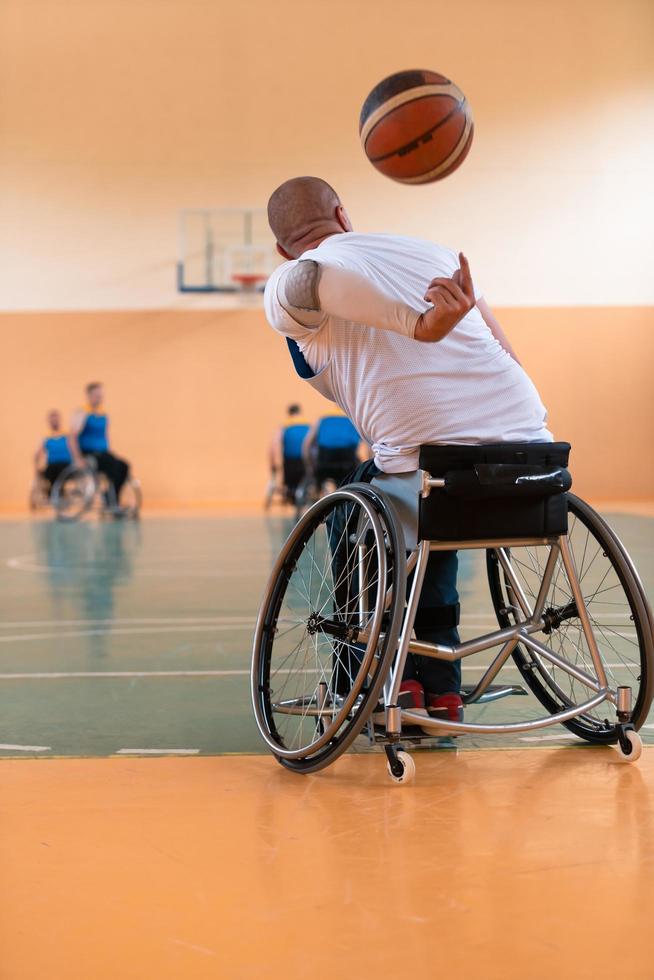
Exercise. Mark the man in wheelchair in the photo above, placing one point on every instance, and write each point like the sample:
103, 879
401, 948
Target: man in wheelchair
53, 453
331, 449
89, 436
394, 331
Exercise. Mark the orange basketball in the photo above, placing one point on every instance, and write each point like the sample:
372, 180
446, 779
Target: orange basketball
416, 127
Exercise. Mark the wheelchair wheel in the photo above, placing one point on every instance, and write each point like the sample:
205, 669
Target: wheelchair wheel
73, 493
131, 498
271, 490
105, 496
618, 611
39, 494
328, 627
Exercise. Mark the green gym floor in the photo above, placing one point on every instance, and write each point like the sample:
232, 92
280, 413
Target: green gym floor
134, 638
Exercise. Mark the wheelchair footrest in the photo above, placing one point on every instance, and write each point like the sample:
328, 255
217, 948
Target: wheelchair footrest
492, 693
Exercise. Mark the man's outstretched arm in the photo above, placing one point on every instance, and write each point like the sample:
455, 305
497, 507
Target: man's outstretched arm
310, 291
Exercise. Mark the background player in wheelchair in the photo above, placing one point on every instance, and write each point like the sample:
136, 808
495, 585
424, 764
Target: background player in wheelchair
52, 457
89, 440
287, 469
330, 452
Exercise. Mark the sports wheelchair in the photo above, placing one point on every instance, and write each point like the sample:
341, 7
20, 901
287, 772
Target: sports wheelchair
78, 491
329, 468
335, 625
286, 492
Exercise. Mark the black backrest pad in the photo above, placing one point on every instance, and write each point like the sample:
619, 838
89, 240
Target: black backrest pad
450, 518
437, 460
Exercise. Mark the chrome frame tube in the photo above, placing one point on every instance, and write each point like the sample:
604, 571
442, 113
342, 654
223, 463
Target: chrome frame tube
363, 584
550, 565
489, 543
412, 561
578, 595
469, 647
576, 672
493, 670
548, 654
410, 565
442, 726
392, 686
505, 562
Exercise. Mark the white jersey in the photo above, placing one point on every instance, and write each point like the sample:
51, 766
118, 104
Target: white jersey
399, 392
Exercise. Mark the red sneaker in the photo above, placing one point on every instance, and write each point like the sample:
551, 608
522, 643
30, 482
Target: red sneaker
411, 697
448, 706
414, 696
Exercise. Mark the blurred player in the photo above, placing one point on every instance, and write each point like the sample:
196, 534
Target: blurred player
89, 436
53, 454
331, 449
286, 461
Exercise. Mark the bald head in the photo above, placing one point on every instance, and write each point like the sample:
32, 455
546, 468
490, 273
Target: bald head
303, 211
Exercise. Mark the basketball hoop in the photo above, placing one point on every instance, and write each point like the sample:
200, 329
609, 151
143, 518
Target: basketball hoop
248, 281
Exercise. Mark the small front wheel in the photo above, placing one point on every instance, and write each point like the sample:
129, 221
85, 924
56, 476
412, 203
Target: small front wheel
408, 773
629, 746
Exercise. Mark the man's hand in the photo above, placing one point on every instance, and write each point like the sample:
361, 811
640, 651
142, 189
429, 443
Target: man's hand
451, 299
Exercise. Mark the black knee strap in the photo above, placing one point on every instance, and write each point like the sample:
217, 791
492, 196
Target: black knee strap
429, 617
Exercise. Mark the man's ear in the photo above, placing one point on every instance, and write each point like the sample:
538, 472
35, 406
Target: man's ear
343, 219
284, 254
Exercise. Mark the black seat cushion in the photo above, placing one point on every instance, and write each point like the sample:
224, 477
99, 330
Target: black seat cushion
499, 490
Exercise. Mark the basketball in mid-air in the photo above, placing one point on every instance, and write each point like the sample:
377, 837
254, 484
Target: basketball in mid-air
416, 127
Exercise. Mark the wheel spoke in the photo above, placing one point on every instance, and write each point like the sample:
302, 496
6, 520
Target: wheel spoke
610, 594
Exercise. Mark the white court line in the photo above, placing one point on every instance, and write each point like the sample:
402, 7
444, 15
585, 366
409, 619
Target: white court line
163, 620
143, 631
27, 563
135, 621
549, 738
96, 674
125, 631
93, 674
25, 748
478, 618
157, 752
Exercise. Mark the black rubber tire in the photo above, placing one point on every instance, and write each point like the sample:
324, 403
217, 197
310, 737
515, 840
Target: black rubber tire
613, 549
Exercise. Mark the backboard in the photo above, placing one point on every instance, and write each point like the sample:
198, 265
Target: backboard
224, 250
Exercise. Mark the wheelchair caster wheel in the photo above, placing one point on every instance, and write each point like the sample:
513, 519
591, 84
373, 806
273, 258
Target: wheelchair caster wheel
408, 773
629, 746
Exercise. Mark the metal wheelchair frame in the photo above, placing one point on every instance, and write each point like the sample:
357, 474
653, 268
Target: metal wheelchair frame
508, 638
530, 618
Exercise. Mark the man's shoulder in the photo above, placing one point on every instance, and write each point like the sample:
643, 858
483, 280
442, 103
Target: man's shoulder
368, 243
270, 291
271, 303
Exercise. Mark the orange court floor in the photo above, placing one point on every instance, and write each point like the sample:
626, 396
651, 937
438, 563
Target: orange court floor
146, 834
527, 863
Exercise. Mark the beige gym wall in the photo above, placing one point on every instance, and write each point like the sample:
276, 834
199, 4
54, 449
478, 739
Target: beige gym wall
117, 113
195, 396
